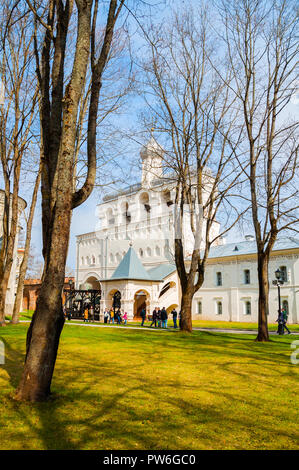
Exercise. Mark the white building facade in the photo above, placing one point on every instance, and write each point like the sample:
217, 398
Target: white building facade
230, 289
131, 253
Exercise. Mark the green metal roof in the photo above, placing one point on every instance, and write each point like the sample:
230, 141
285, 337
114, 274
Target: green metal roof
249, 247
161, 271
131, 267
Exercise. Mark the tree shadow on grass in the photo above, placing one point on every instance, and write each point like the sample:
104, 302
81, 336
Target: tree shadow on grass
83, 415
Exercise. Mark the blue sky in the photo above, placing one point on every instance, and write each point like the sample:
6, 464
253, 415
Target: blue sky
84, 217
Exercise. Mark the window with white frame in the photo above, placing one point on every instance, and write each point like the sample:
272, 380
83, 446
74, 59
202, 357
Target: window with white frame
246, 276
247, 310
218, 279
284, 273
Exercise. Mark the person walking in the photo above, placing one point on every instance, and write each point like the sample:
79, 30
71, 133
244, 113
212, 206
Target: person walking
119, 317
159, 317
174, 314
284, 320
125, 317
154, 317
91, 313
86, 314
106, 315
164, 317
111, 316
143, 316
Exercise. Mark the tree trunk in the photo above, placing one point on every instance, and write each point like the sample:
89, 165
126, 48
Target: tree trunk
263, 303
186, 310
48, 319
3, 292
23, 267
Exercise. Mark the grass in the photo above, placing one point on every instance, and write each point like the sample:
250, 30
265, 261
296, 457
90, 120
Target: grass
132, 389
196, 323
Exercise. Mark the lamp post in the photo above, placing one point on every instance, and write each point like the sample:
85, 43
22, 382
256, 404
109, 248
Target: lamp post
71, 284
279, 282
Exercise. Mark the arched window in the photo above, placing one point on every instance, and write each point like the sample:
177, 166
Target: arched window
126, 213
118, 257
93, 259
144, 200
167, 198
111, 258
87, 260
141, 253
148, 251
82, 260
110, 217
157, 251
199, 308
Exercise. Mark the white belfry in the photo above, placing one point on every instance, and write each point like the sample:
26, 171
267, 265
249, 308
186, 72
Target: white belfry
152, 163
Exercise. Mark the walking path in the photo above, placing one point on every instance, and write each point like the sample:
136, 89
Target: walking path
146, 328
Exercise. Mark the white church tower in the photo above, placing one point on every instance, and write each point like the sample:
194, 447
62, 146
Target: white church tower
152, 163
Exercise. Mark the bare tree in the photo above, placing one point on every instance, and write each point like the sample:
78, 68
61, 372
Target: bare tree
16, 118
194, 117
262, 49
24, 263
59, 114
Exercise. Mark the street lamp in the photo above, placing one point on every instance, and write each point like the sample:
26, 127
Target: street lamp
71, 284
279, 282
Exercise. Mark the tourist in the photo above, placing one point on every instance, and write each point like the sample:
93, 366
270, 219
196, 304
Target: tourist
159, 317
164, 317
86, 314
118, 317
143, 316
111, 316
91, 313
154, 317
106, 315
284, 320
125, 317
174, 314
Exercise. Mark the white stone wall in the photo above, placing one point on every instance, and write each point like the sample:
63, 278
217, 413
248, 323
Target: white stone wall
234, 293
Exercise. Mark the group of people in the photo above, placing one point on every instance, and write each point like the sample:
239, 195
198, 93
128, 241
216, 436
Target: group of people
160, 317
117, 316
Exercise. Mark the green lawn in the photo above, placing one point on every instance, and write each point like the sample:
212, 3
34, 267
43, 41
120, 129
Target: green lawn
133, 389
196, 323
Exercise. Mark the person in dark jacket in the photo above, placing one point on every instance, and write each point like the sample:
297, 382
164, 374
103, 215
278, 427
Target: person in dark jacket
159, 317
143, 316
154, 318
174, 314
164, 317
